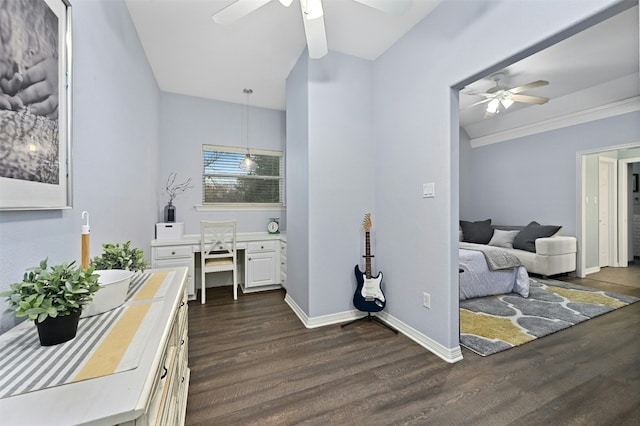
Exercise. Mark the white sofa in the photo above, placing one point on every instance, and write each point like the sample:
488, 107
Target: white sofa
553, 255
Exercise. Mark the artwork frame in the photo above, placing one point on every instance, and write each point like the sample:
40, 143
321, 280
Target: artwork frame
35, 105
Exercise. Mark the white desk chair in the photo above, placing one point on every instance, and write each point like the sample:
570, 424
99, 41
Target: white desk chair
218, 251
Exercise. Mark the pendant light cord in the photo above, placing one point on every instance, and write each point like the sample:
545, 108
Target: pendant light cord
248, 92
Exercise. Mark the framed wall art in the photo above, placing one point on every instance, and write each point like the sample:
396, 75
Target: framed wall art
35, 104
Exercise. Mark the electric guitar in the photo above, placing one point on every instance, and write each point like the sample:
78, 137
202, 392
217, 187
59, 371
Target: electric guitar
368, 296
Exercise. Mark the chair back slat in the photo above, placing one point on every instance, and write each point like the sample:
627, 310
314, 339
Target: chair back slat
217, 238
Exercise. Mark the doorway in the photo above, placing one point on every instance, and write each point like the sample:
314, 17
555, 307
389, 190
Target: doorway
629, 210
605, 207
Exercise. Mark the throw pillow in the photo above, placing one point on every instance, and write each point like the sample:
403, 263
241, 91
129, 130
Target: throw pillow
503, 238
476, 232
526, 239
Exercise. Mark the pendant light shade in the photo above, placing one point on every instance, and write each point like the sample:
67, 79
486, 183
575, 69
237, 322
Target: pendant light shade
247, 163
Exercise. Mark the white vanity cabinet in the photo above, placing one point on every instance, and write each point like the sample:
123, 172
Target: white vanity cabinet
283, 263
262, 262
173, 256
168, 404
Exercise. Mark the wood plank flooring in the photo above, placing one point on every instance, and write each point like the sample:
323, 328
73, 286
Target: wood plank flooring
253, 363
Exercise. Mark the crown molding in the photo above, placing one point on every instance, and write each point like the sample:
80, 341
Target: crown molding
591, 114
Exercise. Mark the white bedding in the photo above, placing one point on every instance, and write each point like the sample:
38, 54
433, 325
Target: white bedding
477, 280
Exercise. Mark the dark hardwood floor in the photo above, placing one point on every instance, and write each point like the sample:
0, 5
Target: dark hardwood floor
253, 363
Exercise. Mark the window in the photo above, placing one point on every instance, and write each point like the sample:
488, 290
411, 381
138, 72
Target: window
225, 183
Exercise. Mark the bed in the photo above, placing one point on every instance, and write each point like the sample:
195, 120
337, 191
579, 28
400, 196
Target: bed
480, 276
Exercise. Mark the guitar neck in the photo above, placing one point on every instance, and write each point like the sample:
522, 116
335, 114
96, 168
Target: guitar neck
367, 255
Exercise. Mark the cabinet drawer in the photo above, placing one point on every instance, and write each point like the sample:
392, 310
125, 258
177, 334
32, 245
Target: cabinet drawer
172, 252
262, 246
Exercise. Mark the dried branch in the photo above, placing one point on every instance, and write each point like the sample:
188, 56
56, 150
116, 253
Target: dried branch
173, 189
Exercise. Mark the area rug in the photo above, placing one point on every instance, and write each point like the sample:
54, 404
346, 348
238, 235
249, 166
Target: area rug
495, 323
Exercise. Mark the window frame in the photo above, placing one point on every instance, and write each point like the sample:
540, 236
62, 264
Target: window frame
243, 205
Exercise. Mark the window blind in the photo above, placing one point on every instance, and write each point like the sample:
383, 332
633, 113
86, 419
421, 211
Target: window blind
224, 182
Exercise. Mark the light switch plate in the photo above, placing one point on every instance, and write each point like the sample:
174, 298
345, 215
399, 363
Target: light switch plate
428, 190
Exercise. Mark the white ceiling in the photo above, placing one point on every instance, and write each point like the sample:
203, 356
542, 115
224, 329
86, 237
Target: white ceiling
192, 55
595, 67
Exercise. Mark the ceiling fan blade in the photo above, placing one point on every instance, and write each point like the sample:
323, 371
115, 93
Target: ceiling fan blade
316, 36
396, 7
478, 103
529, 86
237, 10
528, 99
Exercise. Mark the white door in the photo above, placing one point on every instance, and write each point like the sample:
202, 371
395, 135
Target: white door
603, 213
607, 229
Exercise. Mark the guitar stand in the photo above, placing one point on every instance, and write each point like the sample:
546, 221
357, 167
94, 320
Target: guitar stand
373, 318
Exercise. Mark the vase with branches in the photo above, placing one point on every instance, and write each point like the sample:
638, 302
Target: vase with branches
173, 189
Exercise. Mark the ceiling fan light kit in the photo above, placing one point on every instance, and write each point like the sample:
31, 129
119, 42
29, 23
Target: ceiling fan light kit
312, 17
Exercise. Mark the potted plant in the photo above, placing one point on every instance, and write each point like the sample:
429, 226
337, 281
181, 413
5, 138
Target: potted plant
116, 257
53, 298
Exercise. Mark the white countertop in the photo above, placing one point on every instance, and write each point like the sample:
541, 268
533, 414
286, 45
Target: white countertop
194, 239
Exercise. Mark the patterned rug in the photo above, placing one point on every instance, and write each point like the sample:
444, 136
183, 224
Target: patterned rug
495, 323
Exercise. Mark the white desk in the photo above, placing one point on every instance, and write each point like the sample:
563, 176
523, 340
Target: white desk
261, 259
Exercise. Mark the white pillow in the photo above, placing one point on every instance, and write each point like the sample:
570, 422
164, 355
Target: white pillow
503, 238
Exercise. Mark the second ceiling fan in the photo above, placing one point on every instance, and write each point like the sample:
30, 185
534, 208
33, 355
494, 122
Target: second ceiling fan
312, 17
499, 95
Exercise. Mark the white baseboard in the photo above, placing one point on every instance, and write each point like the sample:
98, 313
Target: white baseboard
449, 355
591, 270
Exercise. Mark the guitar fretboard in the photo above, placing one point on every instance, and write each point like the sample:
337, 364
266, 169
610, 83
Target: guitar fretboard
367, 255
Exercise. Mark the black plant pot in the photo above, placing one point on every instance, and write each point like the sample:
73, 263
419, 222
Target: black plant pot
53, 331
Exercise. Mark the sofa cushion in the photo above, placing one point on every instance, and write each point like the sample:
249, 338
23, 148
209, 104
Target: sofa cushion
479, 232
526, 239
503, 238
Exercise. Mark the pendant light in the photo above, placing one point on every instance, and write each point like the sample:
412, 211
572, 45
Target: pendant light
247, 163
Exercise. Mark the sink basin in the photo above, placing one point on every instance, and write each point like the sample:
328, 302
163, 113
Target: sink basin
114, 284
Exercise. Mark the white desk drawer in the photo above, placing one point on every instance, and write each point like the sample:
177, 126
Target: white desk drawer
172, 252
263, 246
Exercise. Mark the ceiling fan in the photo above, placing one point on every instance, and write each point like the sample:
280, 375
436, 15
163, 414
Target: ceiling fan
500, 95
312, 17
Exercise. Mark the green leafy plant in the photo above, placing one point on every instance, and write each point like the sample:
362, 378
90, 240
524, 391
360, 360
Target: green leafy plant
116, 257
57, 291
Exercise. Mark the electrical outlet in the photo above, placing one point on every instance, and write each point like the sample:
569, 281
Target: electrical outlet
426, 300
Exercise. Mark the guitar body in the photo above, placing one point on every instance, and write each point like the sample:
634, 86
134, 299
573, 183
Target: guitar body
368, 286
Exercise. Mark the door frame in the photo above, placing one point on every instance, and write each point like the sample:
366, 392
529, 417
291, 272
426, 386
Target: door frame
623, 209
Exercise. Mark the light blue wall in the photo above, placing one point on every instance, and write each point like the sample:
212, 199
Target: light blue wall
115, 151
189, 122
330, 179
298, 183
415, 128
542, 177
341, 176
